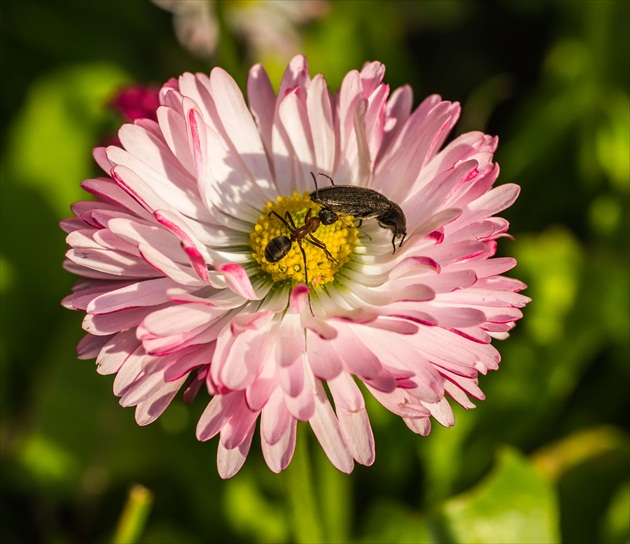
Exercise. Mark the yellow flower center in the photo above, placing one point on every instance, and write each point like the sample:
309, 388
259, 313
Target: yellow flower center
339, 239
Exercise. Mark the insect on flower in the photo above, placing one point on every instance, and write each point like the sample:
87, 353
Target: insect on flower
279, 246
362, 203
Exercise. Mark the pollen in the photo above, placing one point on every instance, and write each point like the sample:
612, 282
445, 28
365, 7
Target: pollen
339, 239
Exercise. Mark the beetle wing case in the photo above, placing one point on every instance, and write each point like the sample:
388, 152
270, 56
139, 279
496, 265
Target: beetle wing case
361, 202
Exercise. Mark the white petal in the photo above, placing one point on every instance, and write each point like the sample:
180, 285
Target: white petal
230, 461
326, 428
279, 454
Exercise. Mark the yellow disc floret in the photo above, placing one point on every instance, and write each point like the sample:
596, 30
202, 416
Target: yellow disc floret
339, 240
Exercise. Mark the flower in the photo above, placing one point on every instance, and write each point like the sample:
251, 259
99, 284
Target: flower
131, 103
179, 293
136, 102
269, 28
195, 25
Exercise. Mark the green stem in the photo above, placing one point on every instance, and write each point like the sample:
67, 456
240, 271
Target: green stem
335, 498
134, 517
305, 512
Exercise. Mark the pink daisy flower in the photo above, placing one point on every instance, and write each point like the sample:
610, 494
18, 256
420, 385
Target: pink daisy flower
179, 294
137, 102
266, 27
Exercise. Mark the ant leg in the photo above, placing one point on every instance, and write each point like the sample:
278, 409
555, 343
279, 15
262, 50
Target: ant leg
322, 246
306, 276
304, 259
284, 221
288, 216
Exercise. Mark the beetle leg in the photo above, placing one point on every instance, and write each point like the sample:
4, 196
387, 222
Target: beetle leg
347, 223
357, 227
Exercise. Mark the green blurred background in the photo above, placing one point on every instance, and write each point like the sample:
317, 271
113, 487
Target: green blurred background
543, 459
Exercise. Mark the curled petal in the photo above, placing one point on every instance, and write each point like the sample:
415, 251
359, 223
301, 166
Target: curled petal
238, 280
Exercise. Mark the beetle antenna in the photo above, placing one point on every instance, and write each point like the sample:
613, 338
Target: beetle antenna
332, 181
315, 182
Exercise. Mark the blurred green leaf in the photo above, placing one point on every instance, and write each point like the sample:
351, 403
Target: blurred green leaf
445, 455
394, 523
252, 515
553, 261
47, 463
587, 468
616, 529
6, 274
606, 215
514, 504
63, 118
613, 140
558, 458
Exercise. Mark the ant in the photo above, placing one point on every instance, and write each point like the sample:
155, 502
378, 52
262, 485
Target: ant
278, 247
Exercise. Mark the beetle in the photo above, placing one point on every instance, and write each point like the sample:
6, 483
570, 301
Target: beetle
362, 203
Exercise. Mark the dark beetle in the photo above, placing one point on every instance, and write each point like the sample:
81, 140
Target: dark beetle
362, 203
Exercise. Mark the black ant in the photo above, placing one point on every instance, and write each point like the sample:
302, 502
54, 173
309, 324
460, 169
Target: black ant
279, 247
